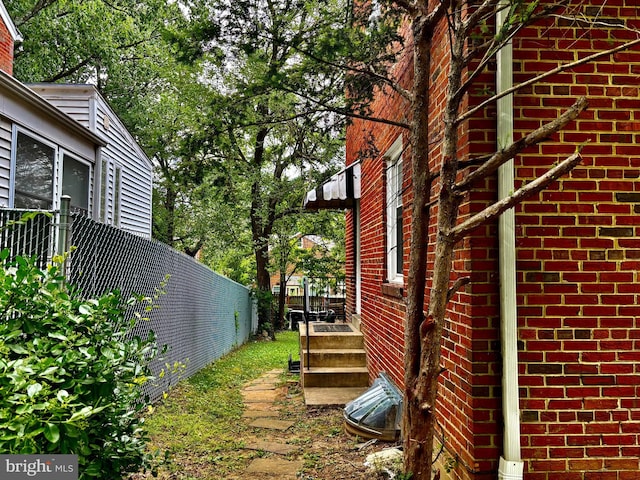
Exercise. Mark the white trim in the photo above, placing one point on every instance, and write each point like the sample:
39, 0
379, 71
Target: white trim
6, 18
393, 165
107, 183
90, 178
117, 194
15, 130
357, 255
46, 109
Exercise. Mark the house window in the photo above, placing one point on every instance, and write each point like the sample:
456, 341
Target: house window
42, 172
104, 190
395, 238
34, 173
116, 196
76, 179
110, 192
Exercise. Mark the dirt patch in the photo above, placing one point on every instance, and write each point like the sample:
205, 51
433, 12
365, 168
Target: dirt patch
328, 452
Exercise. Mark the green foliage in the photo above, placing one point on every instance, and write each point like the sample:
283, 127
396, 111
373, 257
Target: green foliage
70, 373
90, 40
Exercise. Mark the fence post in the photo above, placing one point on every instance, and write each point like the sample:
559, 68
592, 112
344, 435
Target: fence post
63, 229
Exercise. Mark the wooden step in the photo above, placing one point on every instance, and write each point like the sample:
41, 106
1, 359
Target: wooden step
335, 357
326, 341
331, 397
335, 377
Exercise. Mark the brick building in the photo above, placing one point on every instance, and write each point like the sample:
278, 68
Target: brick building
577, 260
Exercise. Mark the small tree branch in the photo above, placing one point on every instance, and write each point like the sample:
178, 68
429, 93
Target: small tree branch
533, 138
457, 285
493, 211
345, 111
538, 78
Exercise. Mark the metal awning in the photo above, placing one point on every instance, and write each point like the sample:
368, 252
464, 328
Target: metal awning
340, 191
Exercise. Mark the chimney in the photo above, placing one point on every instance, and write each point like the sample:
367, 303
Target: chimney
9, 35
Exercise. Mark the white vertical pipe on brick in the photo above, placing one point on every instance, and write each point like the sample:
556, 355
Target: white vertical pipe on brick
511, 466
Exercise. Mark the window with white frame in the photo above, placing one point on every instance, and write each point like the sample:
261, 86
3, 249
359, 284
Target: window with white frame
42, 172
110, 187
395, 238
76, 182
34, 173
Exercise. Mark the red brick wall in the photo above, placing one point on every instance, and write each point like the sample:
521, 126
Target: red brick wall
578, 257
6, 49
382, 313
469, 407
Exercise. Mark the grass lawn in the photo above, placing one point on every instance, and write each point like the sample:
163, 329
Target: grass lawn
199, 423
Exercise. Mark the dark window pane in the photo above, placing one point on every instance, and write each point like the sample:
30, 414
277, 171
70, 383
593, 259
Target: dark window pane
75, 182
34, 173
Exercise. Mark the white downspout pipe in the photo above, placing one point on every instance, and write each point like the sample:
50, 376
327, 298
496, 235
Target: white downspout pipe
511, 465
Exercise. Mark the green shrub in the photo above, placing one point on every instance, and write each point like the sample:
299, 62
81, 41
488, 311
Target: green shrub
70, 373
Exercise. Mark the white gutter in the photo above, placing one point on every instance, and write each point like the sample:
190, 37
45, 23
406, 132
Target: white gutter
8, 22
511, 465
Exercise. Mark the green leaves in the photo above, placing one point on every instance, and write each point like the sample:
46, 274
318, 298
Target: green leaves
52, 433
69, 373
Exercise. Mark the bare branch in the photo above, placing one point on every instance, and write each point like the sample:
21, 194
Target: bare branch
457, 285
346, 112
533, 138
479, 12
491, 46
495, 210
364, 70
560, 68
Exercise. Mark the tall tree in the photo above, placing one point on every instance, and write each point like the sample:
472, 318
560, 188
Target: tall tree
268, 138
121, 47
95, 41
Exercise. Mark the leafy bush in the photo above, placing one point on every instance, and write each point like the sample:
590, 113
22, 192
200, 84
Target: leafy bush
70, 373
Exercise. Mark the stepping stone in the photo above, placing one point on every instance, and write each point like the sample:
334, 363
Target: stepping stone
260, 396
259, 386
271, 447
261, 406
251, 413
271, 424
276, 467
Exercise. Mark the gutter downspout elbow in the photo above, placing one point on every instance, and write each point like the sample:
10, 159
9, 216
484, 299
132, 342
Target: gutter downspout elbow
511, 465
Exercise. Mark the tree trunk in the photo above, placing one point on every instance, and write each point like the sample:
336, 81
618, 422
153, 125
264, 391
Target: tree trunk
263, 281
282, 298
261, 228
170, 209
418, 417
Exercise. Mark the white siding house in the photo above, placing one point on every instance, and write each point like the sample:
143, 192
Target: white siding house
65, 140
43, 152
124, 174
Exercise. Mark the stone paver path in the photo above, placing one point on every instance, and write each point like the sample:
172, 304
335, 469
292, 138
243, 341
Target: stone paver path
260, 397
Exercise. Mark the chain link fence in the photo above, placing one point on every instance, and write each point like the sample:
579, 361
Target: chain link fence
29, 234
199, 316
